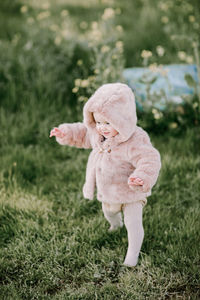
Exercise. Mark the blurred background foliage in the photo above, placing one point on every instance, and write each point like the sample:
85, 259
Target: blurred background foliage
55, 54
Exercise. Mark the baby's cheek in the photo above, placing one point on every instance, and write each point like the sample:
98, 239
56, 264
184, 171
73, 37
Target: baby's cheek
98, 129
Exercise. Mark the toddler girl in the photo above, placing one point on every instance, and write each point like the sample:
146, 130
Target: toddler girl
123, 164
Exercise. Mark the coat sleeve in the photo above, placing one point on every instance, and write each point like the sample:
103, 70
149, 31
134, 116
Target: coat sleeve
76, 135
145, 159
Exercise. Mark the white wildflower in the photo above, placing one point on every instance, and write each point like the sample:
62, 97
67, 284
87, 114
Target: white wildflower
109, 13
94, 25
91, 78
153, 67
119, 45
164, 19
57, 40
96, 35
82, 99
43, 15
75, 90
64, 13
84, 83
182, 55
45, 5
189, 59
192, 19
163, 6
160, 50
146, 54
173, 125
77, 82
79, 62
119, 28
28, 45
107, 2
157, 114
105, 49
65, 33
96, 71
24, 9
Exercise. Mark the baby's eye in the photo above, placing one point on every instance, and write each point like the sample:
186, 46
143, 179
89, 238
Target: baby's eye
107, 123
98, 122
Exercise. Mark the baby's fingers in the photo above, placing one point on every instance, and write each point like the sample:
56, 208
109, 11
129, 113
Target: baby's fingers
135, 181
53, 132
139, 181
56, 132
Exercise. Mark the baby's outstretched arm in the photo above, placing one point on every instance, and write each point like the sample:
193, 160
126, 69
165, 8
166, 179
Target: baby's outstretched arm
75, 134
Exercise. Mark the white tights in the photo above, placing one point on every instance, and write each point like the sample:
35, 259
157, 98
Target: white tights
133, 223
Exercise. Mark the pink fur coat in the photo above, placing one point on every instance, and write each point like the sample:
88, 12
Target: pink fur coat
113, 160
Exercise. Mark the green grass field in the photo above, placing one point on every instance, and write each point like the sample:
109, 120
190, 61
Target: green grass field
54, 244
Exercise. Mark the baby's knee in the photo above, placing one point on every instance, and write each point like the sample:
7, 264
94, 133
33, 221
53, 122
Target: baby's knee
134, 223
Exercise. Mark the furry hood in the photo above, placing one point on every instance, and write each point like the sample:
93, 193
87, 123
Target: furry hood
116, 103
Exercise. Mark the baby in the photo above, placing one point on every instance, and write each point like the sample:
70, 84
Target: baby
123, 164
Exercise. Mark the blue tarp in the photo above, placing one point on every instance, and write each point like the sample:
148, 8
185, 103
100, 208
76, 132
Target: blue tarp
168, 79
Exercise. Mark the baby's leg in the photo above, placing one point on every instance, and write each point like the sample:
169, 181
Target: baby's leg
133, 223
113, 215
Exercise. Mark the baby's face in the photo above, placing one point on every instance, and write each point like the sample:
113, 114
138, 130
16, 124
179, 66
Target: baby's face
103, 127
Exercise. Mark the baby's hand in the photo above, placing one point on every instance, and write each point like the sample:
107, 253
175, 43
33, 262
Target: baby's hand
57, 133
135, 181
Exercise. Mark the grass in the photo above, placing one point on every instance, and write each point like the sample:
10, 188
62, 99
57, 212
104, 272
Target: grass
54, 244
